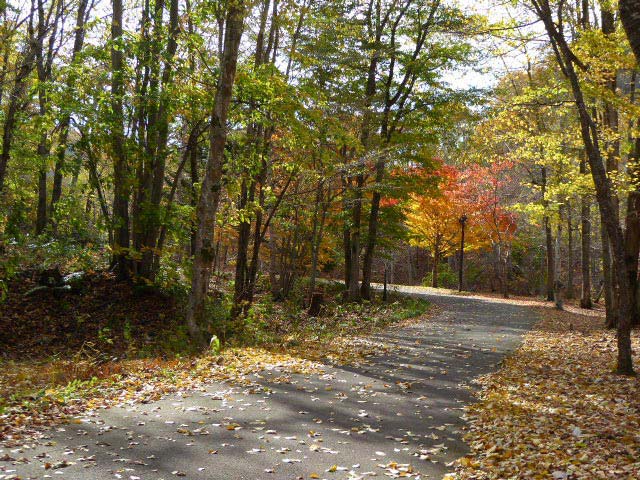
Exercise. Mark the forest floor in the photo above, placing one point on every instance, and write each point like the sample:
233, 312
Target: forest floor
447, 395
393, 411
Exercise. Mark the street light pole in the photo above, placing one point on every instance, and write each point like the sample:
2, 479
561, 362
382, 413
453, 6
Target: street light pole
463, 221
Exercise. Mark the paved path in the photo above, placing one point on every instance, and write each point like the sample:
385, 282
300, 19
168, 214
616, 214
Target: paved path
353, 422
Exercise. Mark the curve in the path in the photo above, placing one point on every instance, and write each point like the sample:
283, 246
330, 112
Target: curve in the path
400, 411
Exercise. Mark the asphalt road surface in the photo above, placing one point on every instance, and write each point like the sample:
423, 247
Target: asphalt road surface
396, 415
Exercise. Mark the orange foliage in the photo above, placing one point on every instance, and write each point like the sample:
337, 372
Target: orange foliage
477, 193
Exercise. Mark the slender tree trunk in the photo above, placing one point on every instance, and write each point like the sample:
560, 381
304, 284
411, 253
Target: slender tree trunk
611, 310
43, 144
212, 183
41, 214
148, 215
296, 35
273, 264
7, 46
319, 219
56, 189
193, 164
630, 18
355, 293
392, 102
314, 234
242, 256
346, 246
356, 224
372, 234
260, 229
47, 26
192, 144
505, 274
17, 97
585, 248
436, 265
570, 280
632, 232
632, 247
94, 180
8, 132
557, 284
550, 258
254, 182
121, 182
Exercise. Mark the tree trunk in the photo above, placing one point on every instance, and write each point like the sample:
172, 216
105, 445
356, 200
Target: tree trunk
393, 101
7, 48
318, 230
195, 178
121, 187
353, 287
17, 96
585, 247
630, 18
41, 214
254, 177
190, 148
436, 264
47, 25
611, 310
570, 290
94, 180
346, 246
56, 190
557, 284
550, 257
632, 247
242, 255
148, 216
372, 234
211, 186
505, 274
355, 294
273, 264
365, 292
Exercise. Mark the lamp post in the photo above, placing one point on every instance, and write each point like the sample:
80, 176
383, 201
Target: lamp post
463, 221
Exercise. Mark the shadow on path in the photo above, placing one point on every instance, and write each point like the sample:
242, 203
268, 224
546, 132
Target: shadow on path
351, 422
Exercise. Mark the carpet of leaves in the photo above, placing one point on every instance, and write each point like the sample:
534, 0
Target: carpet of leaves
556, 409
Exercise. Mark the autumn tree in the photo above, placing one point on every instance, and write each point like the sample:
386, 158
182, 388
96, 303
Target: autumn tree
211, 187
554, 18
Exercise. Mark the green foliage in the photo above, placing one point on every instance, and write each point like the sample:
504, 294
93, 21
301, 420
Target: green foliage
447, 278
74, 387
105, 335
214, 345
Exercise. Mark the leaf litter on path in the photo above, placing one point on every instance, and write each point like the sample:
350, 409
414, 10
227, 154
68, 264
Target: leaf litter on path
556, 410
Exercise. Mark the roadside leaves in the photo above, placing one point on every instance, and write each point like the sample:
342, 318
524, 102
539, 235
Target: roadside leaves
556, 409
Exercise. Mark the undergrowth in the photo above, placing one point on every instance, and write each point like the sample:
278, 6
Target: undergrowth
137, 344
